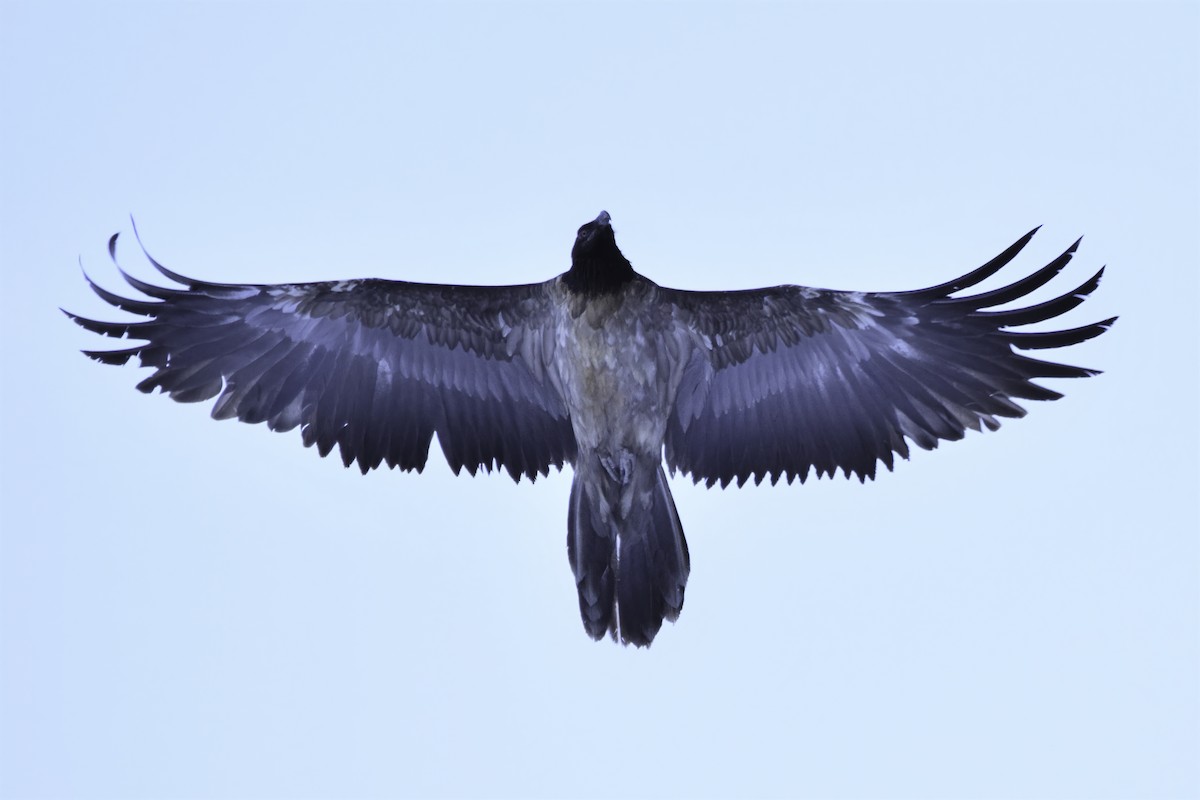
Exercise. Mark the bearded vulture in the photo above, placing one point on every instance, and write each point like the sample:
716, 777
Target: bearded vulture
603, 369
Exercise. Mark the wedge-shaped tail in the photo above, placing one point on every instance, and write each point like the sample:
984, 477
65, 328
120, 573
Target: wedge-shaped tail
627, 550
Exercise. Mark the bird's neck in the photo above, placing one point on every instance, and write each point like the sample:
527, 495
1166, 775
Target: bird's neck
595, 275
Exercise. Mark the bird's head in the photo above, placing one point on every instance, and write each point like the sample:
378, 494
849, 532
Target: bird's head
597, 265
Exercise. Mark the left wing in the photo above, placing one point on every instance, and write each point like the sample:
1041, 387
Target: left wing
786, 379
376, 367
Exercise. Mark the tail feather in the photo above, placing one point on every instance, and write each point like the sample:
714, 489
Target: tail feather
591, 548
673, 564
628, 552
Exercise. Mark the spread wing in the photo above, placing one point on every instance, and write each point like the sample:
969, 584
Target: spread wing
376, 367
789, 378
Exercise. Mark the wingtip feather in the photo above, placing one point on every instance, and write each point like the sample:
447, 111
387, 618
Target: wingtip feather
977, 275
169, 274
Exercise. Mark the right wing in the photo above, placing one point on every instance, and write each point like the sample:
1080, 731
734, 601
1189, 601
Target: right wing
376, 367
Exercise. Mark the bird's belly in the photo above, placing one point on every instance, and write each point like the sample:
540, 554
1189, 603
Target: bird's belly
615, 385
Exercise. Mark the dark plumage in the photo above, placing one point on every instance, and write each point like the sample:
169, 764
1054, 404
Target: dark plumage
603, 369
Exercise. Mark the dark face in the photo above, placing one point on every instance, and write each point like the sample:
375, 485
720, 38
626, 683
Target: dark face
596, 263
594, 238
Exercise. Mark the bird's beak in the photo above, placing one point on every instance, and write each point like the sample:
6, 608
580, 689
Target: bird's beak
604, 219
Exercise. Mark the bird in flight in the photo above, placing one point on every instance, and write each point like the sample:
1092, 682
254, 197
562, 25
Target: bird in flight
603, 369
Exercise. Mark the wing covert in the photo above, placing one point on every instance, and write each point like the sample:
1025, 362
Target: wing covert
372, 366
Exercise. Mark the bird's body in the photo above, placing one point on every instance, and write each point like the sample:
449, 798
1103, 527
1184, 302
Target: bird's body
604, 369
613, 369
617, 364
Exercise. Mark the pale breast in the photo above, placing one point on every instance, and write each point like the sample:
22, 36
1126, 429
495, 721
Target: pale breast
615, 371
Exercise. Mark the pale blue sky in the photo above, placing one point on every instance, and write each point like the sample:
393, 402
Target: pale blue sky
194, 609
